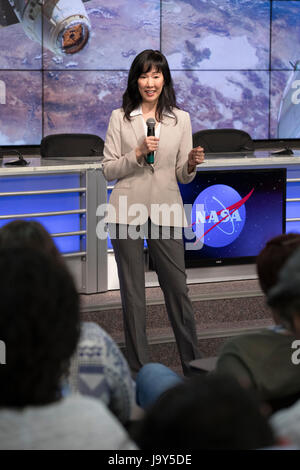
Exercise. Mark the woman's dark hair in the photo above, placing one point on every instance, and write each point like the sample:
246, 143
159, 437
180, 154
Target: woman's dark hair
29, 233
143, 63
39, 325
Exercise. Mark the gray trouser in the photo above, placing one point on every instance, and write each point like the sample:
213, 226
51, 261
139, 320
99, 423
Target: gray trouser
168, 259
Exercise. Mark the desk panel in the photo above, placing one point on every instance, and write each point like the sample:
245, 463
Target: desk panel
63, 196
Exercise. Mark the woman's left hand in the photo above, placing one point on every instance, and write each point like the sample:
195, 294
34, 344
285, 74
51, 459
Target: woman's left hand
196, 156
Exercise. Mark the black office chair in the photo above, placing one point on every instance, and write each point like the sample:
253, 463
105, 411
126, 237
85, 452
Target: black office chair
71, 145
223, 140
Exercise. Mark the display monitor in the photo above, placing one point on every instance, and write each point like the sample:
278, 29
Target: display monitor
232, 214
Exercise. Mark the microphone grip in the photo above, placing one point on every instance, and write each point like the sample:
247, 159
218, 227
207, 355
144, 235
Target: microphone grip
150, 155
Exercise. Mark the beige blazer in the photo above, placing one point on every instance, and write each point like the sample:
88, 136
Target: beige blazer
153, 188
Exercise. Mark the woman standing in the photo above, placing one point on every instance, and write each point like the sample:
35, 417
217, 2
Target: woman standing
152, 191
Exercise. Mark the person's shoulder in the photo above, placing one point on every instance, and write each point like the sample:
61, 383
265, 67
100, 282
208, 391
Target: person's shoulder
91, 330
255, 342
105, 431
182, 118
242, 342
89, 410
118, 112
96, 341
74, 422
75, 403
96, 346
116, 115
180, 113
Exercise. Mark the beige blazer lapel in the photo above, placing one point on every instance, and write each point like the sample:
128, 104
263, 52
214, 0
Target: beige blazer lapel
165, 137
138, 128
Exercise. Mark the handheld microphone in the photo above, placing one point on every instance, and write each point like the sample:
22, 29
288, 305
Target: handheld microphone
150, 132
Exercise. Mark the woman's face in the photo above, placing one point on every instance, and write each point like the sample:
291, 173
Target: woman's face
150, 85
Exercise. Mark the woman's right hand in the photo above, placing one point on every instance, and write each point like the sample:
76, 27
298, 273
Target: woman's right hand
150, 144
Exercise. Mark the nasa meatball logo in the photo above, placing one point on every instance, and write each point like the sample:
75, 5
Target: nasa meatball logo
219, 215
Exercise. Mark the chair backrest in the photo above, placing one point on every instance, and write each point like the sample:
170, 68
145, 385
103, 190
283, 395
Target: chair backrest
223, 140
71, 145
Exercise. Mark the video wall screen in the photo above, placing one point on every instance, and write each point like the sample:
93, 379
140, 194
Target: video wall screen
64, 64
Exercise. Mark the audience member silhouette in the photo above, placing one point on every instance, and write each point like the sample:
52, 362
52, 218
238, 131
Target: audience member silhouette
259, 360
40, 326
98, 368
263, 360
204, 412
284, 299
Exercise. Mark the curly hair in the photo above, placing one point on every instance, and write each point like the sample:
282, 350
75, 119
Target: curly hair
39, 324
143, 63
